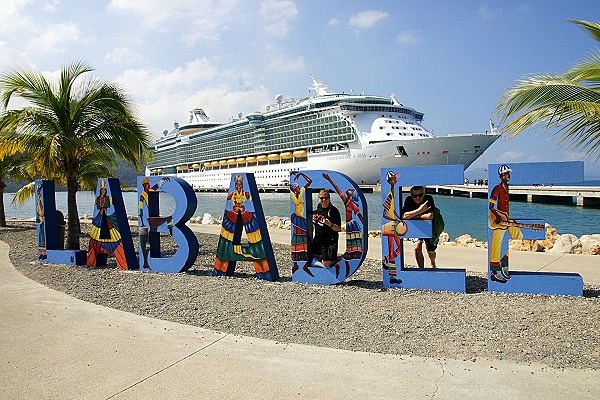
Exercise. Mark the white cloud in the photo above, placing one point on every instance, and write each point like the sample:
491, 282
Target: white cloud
278, 14
167, 96
407, 37
281, 64
122, 56
198, 19
333, 22
486, 12
11, 58
50, 6
55, 37
517, 156
367, 19
13, 18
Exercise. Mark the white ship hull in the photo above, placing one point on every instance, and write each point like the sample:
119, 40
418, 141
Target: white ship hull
362, 165
354, 135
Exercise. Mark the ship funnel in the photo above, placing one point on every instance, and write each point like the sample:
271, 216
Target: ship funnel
319, 86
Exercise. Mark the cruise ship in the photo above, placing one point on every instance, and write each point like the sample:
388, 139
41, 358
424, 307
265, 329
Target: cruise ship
354, 134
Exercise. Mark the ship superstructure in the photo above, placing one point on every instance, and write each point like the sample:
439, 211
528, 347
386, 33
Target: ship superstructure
353, 134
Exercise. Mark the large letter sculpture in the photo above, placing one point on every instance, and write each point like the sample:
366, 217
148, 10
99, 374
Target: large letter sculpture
502, 228
394, 228
151, 224
47, 228
307, 261
243, 209
110, 233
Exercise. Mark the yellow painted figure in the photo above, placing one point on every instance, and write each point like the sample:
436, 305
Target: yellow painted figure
227, 250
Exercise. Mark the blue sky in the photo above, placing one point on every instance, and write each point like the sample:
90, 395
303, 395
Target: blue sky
448, 59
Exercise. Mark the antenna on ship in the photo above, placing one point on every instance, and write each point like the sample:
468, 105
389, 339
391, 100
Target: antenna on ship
279, 99
492, 128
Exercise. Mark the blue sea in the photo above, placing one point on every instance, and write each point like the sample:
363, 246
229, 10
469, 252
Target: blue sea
462, 215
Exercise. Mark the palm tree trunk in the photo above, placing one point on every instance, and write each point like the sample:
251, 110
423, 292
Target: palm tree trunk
73, 215
2, 213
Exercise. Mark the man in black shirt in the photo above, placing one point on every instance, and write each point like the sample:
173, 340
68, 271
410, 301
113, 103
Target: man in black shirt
327, 221
420, 206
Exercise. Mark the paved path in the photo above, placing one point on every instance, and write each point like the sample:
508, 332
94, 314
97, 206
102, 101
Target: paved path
53, 346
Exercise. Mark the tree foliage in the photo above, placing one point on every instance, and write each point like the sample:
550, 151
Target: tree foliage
73, 127
567, 104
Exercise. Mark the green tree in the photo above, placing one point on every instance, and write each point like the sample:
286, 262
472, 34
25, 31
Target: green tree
72, 126
568, 104
13, 166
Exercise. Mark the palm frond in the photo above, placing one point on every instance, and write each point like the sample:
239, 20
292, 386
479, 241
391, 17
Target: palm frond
592, 28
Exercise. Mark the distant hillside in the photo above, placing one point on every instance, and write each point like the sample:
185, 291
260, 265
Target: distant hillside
125, 172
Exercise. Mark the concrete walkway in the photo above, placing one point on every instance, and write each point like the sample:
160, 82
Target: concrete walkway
53, 346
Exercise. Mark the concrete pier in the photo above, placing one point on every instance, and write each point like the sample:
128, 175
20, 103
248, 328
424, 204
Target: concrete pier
578, 195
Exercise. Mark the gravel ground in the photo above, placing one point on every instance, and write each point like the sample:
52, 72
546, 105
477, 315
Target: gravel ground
358, 315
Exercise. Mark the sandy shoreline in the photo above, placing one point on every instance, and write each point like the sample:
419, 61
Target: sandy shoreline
357, 315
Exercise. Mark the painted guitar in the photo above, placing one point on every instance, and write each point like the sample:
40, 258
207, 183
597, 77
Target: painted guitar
505, 222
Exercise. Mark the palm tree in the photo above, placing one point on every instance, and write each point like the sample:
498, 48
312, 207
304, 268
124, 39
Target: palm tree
567, 103
71, 127
12, 166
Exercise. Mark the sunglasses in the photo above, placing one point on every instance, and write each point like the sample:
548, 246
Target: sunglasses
417, 195
324, 198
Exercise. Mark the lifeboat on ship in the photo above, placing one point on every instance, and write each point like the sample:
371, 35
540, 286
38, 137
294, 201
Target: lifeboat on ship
251, 159
240, 160
299, 154
273, 157
286, 155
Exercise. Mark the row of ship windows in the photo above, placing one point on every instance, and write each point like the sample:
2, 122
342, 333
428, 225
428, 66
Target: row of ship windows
249, 144
387, 121
308, 122
307, 126
220, 150
407, 134
398, 127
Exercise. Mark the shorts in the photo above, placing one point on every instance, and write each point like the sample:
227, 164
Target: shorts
431, 246
325, 253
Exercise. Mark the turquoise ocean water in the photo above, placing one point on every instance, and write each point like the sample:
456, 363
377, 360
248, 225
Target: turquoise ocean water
462, 215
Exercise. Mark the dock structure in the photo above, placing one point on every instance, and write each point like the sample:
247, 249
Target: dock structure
284, 189
579, 195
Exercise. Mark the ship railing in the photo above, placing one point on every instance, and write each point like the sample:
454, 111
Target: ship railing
486, 133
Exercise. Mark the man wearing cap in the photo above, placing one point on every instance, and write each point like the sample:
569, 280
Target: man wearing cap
498, 205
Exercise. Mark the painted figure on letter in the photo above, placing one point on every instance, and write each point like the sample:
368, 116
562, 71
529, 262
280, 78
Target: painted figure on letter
298, 220
105, 236
500, 223
152, 223
228, 251
353, 227
392, 229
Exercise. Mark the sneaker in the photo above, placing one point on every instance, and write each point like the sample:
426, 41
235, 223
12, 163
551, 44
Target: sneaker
395, 281
504, 273
316, 263
387, 265
497, 278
